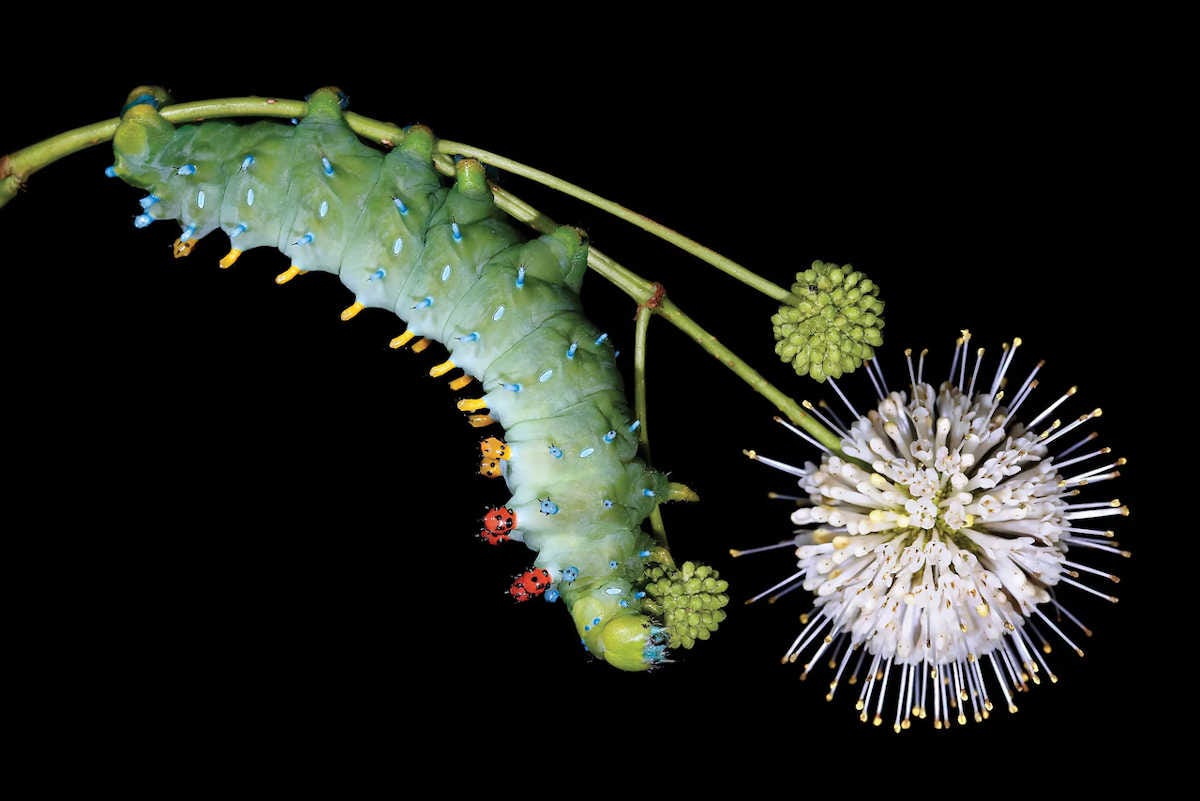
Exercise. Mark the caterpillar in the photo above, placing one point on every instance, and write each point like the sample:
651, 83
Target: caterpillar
370, 422
508, 311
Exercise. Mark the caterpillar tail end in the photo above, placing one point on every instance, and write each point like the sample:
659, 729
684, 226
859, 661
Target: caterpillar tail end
676, 609
628, 643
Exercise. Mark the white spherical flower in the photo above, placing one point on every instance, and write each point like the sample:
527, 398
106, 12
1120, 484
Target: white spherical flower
936, 538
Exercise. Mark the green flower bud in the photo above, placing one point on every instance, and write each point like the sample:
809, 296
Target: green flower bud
834, 323
691, 598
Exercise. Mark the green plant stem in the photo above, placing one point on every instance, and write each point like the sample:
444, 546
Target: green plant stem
669, 311
16, 168
641, 325
722, 263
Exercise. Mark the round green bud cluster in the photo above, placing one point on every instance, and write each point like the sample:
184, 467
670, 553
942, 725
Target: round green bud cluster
834, 325
689, 601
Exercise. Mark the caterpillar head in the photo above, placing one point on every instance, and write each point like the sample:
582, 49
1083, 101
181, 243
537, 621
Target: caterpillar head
142, 131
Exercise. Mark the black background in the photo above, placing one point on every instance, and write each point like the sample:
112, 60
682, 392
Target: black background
250, 499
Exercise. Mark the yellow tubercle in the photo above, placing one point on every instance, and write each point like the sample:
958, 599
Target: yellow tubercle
229, 258
351, 311
495, 448
420, 345
183, 247
480, 420
460, 382
471, 404
439, 370
286, 275
401, 341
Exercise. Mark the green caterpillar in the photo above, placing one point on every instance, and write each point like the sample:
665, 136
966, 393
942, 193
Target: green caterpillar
508, 310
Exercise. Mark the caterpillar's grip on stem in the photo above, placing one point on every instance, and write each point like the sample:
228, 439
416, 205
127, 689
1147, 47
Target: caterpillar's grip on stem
448, 262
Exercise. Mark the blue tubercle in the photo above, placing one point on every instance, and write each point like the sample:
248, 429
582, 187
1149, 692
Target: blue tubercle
471, 337
649, 493
624, 604
188, 233
520, 277
247, 162
613, 563
608, 504
551, 595
424, 303
544, 377
238, 231
455, 232
142, 220
570, 574
556, 452
398, 246
547, 506
511, 387
610, 436
654, 653
186, 169
305, 240
600, 339
110, 171
639, 594
586, 452
571, 350
635, 425
400, 205
149, 200
378, 274
142, 99
326, 165
643, 554
499, 313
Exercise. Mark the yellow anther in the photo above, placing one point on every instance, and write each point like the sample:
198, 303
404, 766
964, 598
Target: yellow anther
351, 311
420, 345
459, 382
286, 275
480, 420
229, 258
439, 370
